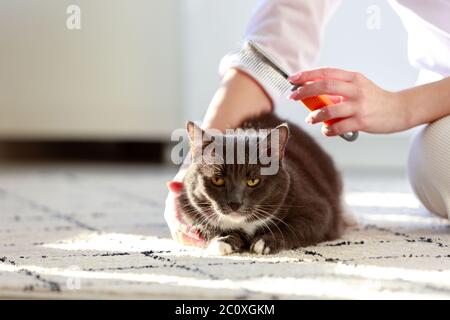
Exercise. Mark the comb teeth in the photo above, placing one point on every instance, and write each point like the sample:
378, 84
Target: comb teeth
263, 70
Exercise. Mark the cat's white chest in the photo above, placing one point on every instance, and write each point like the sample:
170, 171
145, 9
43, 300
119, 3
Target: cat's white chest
249, 227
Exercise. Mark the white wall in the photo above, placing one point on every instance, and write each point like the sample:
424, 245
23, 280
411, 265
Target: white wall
115, 78
212, 28
127, 71
209, 29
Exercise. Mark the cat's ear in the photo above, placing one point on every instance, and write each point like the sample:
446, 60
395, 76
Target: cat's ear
198, 139
194, 131
275, 137
283, 136
195, 134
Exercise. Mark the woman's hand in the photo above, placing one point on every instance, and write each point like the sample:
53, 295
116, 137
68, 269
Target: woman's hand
179, 229
362, 105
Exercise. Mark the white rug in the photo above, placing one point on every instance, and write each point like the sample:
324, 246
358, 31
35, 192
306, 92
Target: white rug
98, 232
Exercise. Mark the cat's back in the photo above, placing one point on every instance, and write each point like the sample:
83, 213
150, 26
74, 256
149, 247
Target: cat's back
304, 157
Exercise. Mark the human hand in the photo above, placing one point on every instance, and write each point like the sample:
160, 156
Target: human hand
361, 104
179, 229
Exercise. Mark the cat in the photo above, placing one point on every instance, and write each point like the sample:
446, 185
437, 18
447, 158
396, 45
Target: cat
236, 209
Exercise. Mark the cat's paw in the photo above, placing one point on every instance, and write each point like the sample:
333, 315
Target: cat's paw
260, 247
219, 247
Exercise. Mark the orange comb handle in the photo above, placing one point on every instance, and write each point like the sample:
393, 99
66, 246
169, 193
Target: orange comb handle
317, 102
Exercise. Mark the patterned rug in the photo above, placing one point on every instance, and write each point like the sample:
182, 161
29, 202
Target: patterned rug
93, 231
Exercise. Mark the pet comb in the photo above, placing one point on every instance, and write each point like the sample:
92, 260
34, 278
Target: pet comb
271, 75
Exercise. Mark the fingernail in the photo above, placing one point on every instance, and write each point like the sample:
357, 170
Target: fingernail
326, 131
295, 93
308, 120
174, 186
295, 76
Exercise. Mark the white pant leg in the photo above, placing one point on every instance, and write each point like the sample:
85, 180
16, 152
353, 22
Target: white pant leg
429, 167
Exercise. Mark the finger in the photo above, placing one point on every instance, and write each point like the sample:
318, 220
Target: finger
342, 110
341, 127
328, 87
194, 234
170, 208
175, 186
322, 73
172, 214
179, 229
336, 99
185, 234
188, 241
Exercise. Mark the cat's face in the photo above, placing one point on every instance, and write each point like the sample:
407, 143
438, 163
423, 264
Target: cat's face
237, 195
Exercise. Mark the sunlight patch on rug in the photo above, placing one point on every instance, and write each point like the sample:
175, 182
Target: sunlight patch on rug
118, 242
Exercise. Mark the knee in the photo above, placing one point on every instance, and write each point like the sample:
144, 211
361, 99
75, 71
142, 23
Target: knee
429, 166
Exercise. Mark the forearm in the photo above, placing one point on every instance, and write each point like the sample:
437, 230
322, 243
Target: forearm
426, 103
238, 98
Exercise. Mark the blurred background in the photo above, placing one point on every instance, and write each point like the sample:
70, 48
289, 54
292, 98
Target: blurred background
115, 86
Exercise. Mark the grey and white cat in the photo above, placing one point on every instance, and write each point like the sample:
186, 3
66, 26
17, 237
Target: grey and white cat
237, 209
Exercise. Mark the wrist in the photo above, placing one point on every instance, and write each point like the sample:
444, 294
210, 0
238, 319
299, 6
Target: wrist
427, 103
412, 107
404, 113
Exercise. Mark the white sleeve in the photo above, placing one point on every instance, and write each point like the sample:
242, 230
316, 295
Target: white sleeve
288, 30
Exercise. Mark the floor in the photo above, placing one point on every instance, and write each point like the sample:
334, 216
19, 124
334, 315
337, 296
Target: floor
97, 231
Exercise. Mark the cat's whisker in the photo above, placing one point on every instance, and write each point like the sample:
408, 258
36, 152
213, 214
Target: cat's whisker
260, 219
262, 212
289, 227
264, 222
281, 206
208, 219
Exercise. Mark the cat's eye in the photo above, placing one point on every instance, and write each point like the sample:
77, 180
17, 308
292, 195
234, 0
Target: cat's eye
217, 181
252, 182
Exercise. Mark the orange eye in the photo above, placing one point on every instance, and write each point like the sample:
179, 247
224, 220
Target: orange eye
217, 181
253, 182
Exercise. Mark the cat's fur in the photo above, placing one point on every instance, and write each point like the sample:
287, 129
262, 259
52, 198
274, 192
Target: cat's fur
298, 206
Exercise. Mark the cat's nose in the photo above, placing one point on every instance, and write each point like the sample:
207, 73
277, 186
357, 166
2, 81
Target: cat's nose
234, 205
